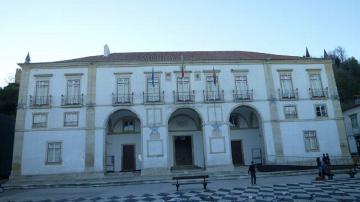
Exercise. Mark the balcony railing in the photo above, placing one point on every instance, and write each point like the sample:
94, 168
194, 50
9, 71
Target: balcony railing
40, 101
213, 96
242, 95
285, 94
184, 97
320, 93
122, 99
72, 100
153, 98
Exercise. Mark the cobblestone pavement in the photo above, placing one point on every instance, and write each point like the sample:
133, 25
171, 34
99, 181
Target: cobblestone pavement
344, 189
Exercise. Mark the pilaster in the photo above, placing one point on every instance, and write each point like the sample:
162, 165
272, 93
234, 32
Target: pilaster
333, 95
90, 119
20, 122
275, 125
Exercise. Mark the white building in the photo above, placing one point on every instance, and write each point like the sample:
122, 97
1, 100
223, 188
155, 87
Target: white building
351, 117
158, 111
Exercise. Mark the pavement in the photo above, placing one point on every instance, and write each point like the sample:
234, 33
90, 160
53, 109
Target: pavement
277, 187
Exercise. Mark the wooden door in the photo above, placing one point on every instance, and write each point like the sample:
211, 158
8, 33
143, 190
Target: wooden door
237, 154
128, 158
183, 150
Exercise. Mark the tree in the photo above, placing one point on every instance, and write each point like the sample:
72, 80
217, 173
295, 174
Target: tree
8, 99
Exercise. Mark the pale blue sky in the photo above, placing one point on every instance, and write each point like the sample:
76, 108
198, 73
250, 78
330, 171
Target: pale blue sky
56, 30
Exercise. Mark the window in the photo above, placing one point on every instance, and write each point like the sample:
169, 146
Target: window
197, 76
122, 90
316, 85
168, 76
311, 143
71, 119
354, 121
183, 88
153, 89
321, 110
290, 112
39, 120
241, 87
287, 90
212, 89
73, 91
128, 126
54, 153
42, 92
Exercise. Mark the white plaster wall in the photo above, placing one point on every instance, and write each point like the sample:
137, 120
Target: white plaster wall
99, 150
114, 148
293, 138
35, 150
250, 139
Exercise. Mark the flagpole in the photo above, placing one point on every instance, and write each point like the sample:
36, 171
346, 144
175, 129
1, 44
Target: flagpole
214, 78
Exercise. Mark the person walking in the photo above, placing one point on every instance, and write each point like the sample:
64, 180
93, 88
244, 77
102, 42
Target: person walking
252, 172
327, 159
318, 163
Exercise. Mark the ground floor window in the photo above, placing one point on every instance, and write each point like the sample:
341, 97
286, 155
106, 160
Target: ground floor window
71, 119
54, 153
311, 143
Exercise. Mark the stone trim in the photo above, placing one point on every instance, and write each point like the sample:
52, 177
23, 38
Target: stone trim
43, 75
73, 74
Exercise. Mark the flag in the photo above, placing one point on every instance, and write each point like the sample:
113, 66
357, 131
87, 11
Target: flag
182, 67
214, 76
153, 77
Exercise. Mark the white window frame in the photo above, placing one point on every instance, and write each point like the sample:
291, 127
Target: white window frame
290, 115
39, 124
125, 127
212, 91
52, 149
122, 84
322, 110
153, 96
354, 121
311, 142
73, 90
42, 96
286, 84
68, 123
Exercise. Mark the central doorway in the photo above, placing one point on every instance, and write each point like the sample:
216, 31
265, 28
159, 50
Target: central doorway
128, 157
183, 151
237, 152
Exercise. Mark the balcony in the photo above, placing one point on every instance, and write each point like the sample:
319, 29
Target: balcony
288, 94
213, 96
122, 99
184, 97
321, 93
40, 101
153, 98
72, 101
242, 95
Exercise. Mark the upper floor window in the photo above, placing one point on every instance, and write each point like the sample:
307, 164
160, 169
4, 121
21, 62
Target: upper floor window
316, 88
153, 88
212, 87
287, 90
122, 94
290, 111
241, 84
73, 91
54, 153
354, 121
321, 110
311, 143
39, 120
71, 119
42, 92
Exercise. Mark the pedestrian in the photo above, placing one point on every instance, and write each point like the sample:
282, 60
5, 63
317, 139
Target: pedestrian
318, 164
324, 158
252, 172
327, 159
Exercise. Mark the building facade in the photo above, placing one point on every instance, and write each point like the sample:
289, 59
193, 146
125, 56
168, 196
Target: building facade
351, 118
159, 111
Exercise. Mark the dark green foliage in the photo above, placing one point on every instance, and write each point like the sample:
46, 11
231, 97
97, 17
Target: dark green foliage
8, 99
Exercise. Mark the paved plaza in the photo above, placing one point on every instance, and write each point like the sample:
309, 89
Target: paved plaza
286, 188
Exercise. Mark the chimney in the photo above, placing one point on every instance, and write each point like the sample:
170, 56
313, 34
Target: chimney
106, 50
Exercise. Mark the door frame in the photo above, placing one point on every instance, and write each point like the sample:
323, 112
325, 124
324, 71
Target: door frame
122, 157
174, 149
242, 152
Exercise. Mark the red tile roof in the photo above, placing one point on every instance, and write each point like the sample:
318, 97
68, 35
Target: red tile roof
187, 55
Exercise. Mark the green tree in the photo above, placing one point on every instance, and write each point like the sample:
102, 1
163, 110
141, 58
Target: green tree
8, 99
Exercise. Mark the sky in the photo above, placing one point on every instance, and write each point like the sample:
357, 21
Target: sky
57, 30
